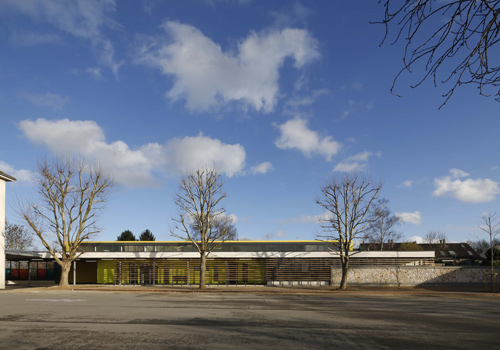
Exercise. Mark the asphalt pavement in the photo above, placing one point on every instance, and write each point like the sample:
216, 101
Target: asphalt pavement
53, 319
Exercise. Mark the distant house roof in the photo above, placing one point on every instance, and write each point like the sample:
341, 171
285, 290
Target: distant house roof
443, 250
7, 178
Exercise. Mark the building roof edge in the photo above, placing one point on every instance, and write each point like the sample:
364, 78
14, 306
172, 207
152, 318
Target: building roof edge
7, 177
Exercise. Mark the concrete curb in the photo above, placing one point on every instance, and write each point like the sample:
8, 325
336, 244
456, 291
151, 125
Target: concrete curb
319, 291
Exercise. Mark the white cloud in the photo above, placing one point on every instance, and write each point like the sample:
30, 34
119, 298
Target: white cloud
207, 77
292, 14
262, 168
407, 183
281, 233
23, 176
308, 100
307, 219
185, 155
413, 218
94, 72
355, 163
129, 167
416, 239
363, 156
80, 18
357, 85
54, 101
106, 54
349, 167
233, 219
458, 174
294, 104
467, 190
295, 134
57, 135
349, 110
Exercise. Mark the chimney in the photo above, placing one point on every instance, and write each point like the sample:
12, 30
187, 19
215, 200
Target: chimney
443, 243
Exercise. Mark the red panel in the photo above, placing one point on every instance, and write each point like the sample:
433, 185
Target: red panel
23, 274
42, 274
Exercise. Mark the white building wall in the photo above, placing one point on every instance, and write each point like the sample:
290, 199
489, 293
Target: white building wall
2, 234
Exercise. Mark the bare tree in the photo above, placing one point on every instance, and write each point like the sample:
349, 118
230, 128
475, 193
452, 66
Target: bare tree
347, 199
456, 37
434, 237
72, 193
17, 238
223, 223
481, 245
199, 200
383, 225
491, 226
226, 225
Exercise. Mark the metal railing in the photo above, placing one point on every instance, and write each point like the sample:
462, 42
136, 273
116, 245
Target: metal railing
493, 281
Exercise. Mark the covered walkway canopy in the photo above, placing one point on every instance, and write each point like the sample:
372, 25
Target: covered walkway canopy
13, 255
27, 257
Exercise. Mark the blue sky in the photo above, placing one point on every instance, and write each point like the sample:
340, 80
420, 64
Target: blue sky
278, 96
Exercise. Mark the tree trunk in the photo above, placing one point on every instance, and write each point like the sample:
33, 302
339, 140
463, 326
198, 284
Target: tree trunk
345, 270
203, 266
65, 268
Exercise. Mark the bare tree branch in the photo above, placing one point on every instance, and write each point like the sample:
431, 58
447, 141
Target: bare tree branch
383, 226
434, 237
199, 221
17, 237
347, 199
491, 226
453, 37
71, 192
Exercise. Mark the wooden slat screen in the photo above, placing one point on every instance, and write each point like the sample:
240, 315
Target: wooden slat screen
241, 271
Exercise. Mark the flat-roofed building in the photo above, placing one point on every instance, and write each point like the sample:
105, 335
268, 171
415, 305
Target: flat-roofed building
233, 263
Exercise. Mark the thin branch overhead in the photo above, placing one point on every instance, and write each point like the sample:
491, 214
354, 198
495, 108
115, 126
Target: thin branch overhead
454, 40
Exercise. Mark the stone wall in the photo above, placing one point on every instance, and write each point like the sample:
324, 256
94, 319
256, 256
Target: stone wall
416, 275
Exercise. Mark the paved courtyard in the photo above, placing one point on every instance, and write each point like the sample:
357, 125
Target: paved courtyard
34, 319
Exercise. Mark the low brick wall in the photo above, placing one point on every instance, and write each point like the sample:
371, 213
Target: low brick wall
416, 275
